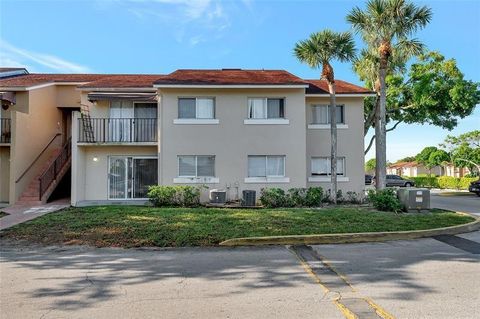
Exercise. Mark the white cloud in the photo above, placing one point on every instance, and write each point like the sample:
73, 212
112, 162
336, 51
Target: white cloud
11, 55
190, 21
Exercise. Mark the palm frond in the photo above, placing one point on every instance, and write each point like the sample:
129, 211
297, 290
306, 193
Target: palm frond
324, 46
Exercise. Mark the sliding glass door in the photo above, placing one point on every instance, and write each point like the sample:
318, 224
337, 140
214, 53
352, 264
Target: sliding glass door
130, 176
144, 175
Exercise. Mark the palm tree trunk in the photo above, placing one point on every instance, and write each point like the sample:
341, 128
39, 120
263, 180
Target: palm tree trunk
333, 139
380, 130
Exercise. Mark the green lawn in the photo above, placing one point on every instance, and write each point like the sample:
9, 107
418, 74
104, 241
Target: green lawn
127, 226
2, 214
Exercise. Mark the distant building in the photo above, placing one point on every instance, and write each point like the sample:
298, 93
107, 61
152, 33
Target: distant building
413, 169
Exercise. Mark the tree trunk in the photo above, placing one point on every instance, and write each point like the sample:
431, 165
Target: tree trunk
380, 130
333, 139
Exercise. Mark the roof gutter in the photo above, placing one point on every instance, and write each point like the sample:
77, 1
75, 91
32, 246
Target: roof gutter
119, 89
39, 86
343, 95
231, 86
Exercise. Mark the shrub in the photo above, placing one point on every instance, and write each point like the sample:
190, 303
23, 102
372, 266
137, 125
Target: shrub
448, 182
384, 200
189, 196
274, 197
465, 182
425, 181
294, 197
340, 196
186, 196
297, 197
314, 197
162, 195
353, 198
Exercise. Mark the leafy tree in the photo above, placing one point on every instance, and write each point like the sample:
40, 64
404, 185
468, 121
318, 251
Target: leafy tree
464, 149
438, 158
318, 51
407, 159
431, 156
424, 156
370, 165
433, 92
385, 26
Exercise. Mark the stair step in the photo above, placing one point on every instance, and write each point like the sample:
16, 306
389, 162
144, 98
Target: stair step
30, 195
29, 203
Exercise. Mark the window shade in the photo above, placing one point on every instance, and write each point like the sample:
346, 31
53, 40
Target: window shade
256, 166
186, 166
206, 166
275, 166
186, 108
205, 108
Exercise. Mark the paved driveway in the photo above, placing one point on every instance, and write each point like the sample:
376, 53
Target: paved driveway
180, 283
425, 278
466, 202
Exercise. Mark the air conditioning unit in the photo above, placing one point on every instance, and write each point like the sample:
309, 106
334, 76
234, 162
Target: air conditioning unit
218, 196
414, 199
249, 198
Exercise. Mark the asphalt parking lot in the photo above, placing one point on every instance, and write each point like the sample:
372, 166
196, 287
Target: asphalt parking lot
426, 278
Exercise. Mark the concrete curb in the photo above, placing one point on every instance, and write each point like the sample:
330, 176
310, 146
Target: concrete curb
354, 237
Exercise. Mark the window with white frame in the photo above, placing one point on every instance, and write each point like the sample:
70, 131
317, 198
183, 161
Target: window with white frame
196, 166
321, 166
266, 108
321, 114
266, 166
196, 108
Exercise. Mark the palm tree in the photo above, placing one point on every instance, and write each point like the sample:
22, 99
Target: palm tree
319, 50
386, 25
366, 66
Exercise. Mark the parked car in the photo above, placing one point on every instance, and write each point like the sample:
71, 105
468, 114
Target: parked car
368, 179
397, 180
475, 187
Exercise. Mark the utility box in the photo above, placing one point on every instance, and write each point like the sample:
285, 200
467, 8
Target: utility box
249, 198
218, 196
414, 199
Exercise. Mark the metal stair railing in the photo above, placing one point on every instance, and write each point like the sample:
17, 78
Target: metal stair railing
51, 173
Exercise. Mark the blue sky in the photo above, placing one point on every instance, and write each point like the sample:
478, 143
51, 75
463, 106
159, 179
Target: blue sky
113, 36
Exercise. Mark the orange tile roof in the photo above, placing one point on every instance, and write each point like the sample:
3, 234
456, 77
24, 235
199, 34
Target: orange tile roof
124, 81
404, 164
183, 77
230, 77
41, 78
341, 87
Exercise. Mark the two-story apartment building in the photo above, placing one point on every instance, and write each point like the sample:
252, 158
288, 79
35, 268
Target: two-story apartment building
227, 129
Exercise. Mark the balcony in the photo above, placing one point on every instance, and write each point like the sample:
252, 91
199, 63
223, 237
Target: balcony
117, 130
5, 131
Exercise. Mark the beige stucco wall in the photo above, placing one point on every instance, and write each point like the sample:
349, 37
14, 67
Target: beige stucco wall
231, 141
92, 179
67, 96
350, 143
99, 109
34, 123
4, 173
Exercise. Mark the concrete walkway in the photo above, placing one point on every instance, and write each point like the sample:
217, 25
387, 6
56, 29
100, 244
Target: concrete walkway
19, 213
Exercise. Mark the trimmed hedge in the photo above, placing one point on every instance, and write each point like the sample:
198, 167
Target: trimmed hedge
303, 197
443, 182
172, 196
425, 181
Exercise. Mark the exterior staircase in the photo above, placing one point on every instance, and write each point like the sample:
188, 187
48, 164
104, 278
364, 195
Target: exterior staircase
44, 183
